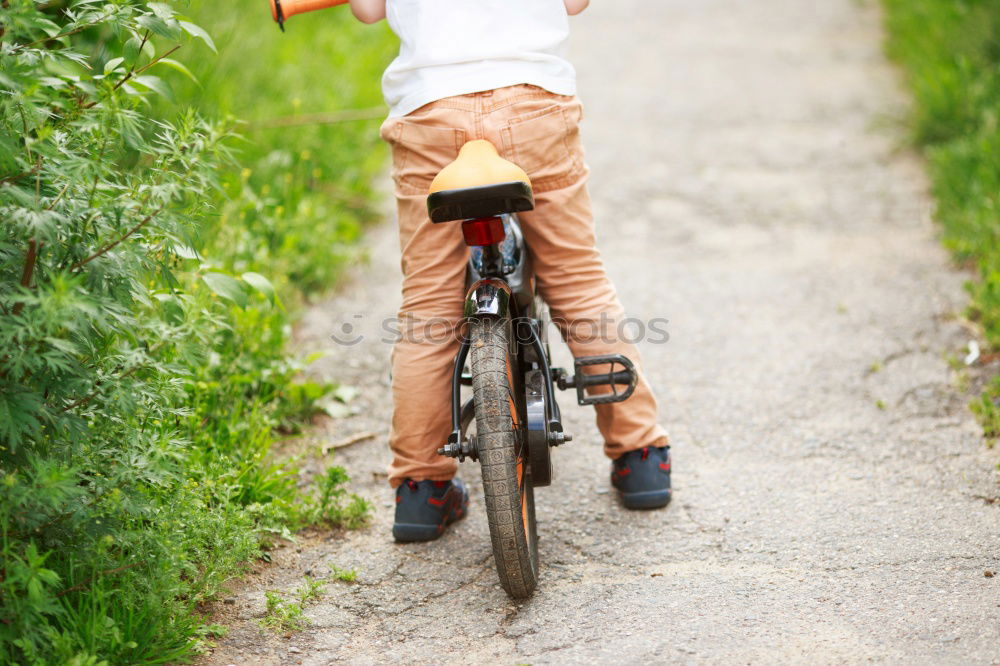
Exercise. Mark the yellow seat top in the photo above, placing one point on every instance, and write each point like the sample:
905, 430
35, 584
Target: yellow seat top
477, 164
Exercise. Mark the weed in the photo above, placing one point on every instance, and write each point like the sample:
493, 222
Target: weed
345, 575
284, 615
334, 506
987, 408
962, 380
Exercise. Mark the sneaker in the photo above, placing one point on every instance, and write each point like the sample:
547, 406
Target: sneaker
425, 508
642, 477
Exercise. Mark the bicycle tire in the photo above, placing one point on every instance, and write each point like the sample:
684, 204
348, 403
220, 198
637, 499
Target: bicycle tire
503, 457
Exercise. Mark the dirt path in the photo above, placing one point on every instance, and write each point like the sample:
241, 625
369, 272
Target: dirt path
832, 498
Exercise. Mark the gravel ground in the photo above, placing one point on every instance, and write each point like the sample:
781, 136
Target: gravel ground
834, 501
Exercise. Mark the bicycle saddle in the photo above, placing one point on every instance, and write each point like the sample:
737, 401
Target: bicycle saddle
479, 183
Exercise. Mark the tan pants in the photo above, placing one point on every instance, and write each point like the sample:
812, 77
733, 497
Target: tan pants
538, 131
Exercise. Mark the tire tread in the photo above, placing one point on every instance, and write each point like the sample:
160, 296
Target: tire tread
516, 563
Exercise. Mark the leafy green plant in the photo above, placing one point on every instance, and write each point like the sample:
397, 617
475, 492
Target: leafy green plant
97, 330
281, 614
345, 575
142, 360
333, 505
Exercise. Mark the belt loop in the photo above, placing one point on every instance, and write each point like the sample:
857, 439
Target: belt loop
477, 118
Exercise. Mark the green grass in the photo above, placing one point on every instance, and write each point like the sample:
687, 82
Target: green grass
988, 411
950, 51
297, 203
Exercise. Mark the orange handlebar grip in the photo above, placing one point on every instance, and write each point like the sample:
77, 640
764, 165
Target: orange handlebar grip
282, 10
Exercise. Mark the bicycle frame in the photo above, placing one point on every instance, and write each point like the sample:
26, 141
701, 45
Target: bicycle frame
500, 284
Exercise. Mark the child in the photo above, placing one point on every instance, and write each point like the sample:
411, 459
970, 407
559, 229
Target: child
493, 69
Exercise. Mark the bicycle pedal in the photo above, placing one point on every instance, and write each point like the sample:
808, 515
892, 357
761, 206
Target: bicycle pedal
581, 381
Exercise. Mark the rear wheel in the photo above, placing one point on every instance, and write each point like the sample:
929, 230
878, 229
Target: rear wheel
503, 456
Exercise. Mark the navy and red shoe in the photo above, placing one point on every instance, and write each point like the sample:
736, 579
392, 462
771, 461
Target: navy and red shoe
425, 508
642, 477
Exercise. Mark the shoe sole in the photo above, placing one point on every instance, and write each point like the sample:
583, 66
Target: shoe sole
647, 499
405, 532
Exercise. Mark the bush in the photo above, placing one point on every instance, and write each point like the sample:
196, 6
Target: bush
142, 370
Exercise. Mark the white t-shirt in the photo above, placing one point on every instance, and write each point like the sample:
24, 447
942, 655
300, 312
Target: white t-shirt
455, 47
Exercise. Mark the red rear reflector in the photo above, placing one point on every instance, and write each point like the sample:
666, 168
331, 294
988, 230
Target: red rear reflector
483, 231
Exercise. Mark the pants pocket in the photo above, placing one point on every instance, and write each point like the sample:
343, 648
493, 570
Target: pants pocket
419, 152
545, 142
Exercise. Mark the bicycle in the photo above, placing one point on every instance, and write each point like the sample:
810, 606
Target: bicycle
512, 420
